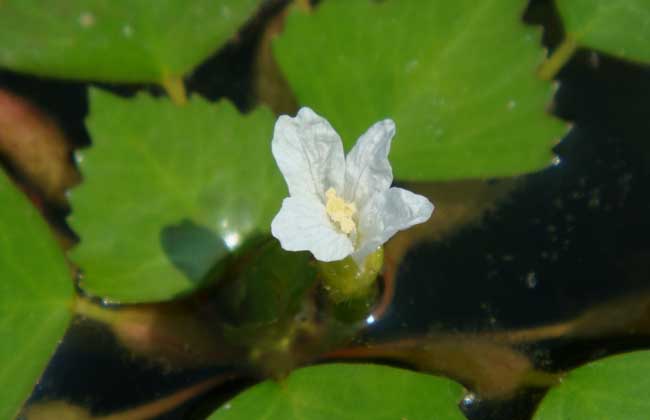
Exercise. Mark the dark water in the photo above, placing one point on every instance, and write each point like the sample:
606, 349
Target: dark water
568, 240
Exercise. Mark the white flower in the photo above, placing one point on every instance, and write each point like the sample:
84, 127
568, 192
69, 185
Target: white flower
339, 206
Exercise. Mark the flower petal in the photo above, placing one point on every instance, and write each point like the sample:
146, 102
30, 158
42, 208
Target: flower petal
303, 225
394, 210
367, 169
309, 153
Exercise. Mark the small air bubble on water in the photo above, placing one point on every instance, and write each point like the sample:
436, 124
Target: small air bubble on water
531, 280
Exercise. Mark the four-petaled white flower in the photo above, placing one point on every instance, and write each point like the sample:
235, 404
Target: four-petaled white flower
339, 206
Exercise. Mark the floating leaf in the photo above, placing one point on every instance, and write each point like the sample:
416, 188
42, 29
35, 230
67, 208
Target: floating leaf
35, 294
458, 78
119, 40
618, 27
340, 391
168, 192
616, 387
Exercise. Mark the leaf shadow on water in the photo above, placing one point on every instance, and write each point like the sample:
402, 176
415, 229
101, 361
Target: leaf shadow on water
193, 249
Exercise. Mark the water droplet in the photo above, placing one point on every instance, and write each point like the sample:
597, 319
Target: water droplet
227, 406
370, 320
127, 30
232, 239
556, 161
468, 400
226, 13
86, 19
512, 104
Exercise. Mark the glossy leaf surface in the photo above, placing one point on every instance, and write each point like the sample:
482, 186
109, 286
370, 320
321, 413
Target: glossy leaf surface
168, 192
458, 78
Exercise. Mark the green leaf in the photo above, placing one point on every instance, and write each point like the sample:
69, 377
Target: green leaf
458, 78
168, 192
341, 391
118, 40
616, 387
36, 293
617, 27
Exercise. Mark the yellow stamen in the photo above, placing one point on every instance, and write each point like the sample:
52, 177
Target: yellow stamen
340, 212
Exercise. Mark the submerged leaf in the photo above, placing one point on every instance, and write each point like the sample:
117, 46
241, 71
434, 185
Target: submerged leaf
458, 78
268, 287
35, 292
35, 147
491, 368
119, 40
340, 391
168, 192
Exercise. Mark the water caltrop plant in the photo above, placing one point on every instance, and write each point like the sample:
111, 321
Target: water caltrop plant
244, 234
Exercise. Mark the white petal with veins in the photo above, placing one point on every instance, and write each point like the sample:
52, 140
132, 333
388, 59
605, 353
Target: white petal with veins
309, 153
367, 169
339, 207
303, 225
388, 213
